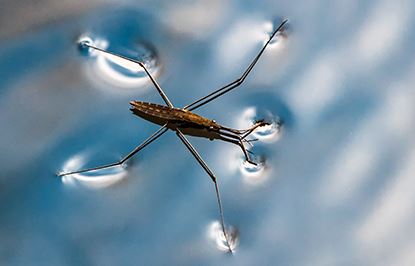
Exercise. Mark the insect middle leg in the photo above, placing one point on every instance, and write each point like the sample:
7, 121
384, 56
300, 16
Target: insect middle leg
236, 83
214, 179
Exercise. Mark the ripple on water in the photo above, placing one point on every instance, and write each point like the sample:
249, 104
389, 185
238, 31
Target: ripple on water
255, 174
118, 71
280, 37
260, 141
268, 133
215, 233
83, 47
94, 179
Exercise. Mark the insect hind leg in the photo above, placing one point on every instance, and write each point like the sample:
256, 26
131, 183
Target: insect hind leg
149, 140
141, 64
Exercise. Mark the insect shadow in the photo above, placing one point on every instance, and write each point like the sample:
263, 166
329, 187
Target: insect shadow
185, 122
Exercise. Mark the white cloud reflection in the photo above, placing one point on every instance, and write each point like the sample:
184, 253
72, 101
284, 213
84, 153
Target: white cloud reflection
383, 31
390, 220
95, 179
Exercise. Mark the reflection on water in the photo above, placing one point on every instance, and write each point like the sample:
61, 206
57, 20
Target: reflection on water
93, 179
267, 133
251, 174
85, 50
116, 70
280, 37
255, 174
215, 233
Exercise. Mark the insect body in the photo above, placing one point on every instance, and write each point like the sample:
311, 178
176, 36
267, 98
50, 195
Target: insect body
161, 115
184, 122
193, 124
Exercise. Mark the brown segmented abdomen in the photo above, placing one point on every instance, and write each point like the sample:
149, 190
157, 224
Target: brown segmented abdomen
164, 114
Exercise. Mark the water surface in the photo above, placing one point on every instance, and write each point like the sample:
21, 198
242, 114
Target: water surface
334, 186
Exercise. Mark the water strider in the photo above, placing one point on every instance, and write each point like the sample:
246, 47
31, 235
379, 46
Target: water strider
184, 122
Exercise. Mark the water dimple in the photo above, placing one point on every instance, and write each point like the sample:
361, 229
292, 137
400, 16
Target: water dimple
250, 169
254, 174
267, 133
84, 43
119, 70
94, 179
280, 36
215, 233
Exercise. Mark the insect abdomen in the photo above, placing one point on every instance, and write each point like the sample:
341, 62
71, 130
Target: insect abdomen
151, 109
161, 114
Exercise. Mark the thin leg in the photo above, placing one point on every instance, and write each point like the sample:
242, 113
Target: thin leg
141, 64
244, 132
211, 96
150, 139
255, 126
238, 140
209, 172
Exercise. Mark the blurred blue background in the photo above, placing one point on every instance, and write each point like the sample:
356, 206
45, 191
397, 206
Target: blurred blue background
336, 187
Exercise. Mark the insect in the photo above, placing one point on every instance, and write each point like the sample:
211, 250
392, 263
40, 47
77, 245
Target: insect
185, 122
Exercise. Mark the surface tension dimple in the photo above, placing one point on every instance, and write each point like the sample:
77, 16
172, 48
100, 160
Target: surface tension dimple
215, 233
268, 133
280, 36
116, 70
94, 179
